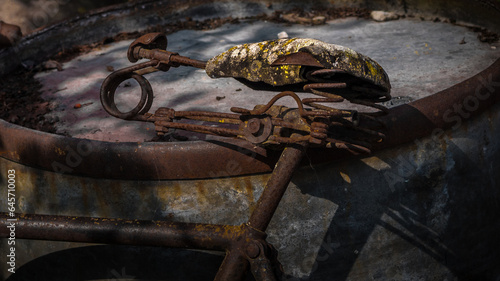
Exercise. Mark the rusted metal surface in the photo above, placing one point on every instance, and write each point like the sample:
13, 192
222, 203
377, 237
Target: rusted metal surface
153, 46
265, 125
140, 15
436, 113
445, 109
362, 221
122, 231
276, 186
152, 40
239, 242
134, 12
238, 260
245, 245
486, 85
63, 154
118, 77
317, 133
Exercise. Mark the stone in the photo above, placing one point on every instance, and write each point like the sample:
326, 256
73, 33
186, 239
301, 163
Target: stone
9, 34
383, 16
283, 35
318, 20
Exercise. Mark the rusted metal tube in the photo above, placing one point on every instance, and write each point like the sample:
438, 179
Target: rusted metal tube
200, 128
122, 231
276, 186
196, 159
234, 267
236, 262
191, 114
443, 110
170, 57
188, 61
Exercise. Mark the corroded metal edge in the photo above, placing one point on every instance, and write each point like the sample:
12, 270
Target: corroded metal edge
443, 110
132, 160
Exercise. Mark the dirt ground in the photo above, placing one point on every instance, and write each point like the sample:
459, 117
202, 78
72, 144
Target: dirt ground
33, 14
18, 103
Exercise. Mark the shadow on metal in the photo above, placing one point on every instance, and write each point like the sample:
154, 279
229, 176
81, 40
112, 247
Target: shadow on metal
128, 263
411, 209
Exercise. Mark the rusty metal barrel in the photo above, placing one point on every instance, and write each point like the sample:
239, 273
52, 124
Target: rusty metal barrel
422, 206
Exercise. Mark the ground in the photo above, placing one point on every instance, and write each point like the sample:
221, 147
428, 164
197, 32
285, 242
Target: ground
33, 14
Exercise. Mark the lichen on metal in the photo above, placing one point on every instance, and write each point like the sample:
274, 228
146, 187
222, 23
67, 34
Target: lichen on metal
254, 62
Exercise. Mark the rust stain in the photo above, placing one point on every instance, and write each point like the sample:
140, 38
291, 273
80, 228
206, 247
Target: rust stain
176, 190
106, 197
59, 151
24, 188
249, 193
145, 193
201, 193
85, 200
15, 155
53, 185
237, 186
444, 142
169, 193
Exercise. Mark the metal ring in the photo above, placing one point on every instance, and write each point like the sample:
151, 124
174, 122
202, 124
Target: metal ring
108, 90
265, 130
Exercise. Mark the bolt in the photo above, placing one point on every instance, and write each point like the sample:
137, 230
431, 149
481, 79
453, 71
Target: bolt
253, 250
253, 126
